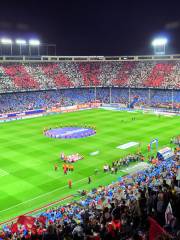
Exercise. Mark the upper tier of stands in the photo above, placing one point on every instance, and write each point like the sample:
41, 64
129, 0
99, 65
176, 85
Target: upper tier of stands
49, 75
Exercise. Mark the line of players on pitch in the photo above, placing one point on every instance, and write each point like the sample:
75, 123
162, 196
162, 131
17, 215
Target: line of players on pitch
106, 168
123, 162
65, 167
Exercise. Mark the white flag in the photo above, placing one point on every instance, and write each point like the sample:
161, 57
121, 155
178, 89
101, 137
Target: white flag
168, 214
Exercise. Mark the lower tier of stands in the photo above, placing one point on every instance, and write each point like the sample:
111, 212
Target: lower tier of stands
144, 205
12, 102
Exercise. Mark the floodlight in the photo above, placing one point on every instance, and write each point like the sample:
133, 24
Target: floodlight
6, 41
159, 42
34, 42
20, 42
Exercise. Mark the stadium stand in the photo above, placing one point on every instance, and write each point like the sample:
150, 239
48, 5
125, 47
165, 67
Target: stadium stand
22, 80
21, 101
138, 206
40, 76
150, 80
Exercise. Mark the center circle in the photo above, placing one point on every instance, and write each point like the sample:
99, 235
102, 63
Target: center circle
70, 132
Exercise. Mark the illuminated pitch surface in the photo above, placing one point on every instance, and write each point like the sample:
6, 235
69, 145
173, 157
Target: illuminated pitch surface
27, 157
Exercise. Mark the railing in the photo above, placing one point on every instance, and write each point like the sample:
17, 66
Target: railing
88, 58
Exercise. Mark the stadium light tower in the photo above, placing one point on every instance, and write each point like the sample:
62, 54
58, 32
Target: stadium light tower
34, 43
159, 45
7, 41
20, 42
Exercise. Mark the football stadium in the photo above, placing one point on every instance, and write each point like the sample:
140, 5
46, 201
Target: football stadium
85, 132
89, 124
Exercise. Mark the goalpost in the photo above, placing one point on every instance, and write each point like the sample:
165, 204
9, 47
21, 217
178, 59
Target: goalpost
152, 142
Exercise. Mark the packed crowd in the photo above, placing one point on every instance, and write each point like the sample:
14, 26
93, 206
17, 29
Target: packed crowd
13, 102
44, 76
120, 210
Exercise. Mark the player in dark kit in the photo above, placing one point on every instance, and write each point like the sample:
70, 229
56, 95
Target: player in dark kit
89, 180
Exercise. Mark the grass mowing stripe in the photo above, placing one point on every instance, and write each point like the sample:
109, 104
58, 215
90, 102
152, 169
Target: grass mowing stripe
45, 194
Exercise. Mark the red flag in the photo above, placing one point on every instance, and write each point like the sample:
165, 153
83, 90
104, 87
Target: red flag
26, 220
42, 219
155, 229
14, 228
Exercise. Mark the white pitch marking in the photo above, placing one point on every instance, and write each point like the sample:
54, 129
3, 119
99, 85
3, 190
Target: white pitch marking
127, 145
138, 167
94, 153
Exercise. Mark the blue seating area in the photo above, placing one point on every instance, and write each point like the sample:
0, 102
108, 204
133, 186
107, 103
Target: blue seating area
12, 102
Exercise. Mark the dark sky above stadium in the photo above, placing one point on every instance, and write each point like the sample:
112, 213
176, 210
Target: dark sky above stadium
94, 27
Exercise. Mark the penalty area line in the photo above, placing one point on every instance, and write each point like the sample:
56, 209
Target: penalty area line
42, 195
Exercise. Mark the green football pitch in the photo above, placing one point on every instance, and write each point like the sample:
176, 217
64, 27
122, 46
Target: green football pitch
27, 157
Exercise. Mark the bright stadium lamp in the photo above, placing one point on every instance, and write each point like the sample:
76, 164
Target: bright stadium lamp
159, 42
7, 41
20, 42
159, 45
34, 42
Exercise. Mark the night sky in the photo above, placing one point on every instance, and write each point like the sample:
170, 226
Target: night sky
93, 27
